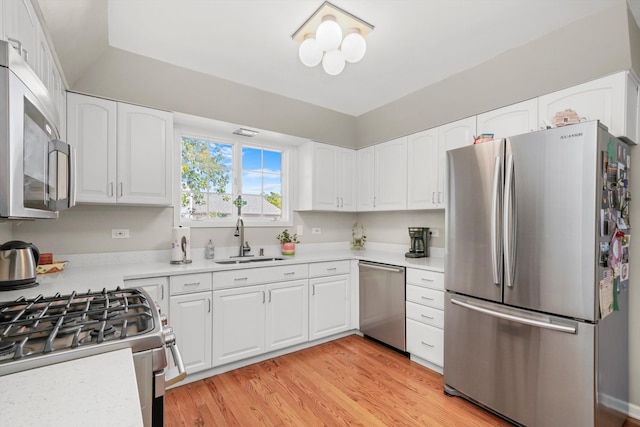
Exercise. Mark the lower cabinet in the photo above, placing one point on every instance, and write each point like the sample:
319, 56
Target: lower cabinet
191, 319
156, 287
252, 320
425, 315
329, 302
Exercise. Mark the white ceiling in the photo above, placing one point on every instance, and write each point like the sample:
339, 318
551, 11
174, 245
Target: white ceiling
415, 42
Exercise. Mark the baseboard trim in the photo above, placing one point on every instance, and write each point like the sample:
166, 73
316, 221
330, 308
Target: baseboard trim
634, 411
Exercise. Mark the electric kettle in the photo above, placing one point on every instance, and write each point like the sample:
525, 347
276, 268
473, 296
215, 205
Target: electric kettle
18, 261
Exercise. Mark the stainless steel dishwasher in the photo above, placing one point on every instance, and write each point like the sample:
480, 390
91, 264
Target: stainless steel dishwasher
382, 303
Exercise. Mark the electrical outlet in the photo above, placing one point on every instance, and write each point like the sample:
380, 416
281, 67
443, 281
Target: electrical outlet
316, 230
435, 232
300, 231
120, 233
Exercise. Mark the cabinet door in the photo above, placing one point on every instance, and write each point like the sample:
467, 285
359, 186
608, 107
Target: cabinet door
328, 306
238, 323
508, 121
92, 131
21, 29
602, 99
191, 322
287, 314
346, 180
452, 135
157, 288
144, 155
391, 175
366, 179
422, 170
325, 177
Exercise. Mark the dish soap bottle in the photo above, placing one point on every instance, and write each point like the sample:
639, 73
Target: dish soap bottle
209, 250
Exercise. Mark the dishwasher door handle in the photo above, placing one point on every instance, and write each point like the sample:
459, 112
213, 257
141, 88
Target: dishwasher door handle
381, 267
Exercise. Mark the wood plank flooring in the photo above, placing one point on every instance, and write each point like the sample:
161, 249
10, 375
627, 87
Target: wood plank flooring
352, 381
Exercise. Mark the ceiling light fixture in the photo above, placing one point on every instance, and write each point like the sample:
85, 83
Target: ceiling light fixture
320, 39
246, 132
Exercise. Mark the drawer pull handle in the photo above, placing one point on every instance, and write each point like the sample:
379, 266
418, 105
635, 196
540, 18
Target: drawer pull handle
427, 298
192, 284
427, 317
427, 344
291, 273
428, 280
332, 269
241, 278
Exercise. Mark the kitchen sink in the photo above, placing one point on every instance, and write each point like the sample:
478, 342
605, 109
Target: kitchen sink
248, 260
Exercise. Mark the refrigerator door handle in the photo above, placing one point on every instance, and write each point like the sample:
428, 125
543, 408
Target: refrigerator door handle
509, 216
513, 318
496, 199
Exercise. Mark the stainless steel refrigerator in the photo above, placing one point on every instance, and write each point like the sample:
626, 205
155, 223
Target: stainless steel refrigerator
537, 236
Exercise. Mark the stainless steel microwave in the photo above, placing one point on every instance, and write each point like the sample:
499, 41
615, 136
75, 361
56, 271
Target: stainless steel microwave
36, 168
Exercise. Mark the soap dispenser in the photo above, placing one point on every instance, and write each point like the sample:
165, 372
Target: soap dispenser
209, 251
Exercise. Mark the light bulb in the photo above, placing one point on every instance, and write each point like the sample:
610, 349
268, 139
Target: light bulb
333, 62
310, 53
354, 47
329, 34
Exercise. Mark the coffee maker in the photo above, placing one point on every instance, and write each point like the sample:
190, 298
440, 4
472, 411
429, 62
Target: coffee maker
419, 242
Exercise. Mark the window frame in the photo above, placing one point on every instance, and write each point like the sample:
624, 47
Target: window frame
236, 179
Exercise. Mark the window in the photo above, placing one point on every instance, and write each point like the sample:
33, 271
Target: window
214, 172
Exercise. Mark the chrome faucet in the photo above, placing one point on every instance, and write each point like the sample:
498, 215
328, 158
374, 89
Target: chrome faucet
244, 245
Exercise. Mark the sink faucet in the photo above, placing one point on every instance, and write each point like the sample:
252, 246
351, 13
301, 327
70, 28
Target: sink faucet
244, 245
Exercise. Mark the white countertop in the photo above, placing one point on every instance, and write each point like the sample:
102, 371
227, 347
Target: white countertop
96, 277
82, 392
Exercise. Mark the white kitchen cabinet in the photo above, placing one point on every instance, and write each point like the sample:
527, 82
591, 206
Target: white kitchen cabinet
382, 176
191, 316
251, 320
21, 30
450, 136
612, 99
365, 179
422, 170
190, 306
511, 120
327, 175
157, 288
425, 317
329, 302
123, 150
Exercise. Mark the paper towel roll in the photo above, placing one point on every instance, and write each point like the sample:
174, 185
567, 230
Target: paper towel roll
180, 244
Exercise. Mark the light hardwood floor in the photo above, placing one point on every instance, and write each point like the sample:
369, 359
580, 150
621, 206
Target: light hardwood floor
352, 381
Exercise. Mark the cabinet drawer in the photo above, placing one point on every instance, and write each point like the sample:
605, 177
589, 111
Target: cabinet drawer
423, 314
188, 283
430, 279
425, 296
329, 268
425, 341
252, 276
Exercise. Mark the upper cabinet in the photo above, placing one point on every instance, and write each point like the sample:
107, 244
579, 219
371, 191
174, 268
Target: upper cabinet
422, 170
450, 136
123, 150
612, 99
508, 121
382, 176
327, 177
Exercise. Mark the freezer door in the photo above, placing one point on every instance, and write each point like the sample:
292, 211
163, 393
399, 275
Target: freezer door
528, 367
549, 231
473, 251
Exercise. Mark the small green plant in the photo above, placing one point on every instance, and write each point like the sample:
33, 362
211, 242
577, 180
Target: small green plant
285, 237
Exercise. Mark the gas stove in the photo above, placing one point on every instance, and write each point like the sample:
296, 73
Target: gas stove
43, 330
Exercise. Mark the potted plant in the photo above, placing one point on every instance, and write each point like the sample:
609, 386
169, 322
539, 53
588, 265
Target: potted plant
288, 242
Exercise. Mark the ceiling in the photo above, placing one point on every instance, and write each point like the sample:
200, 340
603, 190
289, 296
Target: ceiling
415, 43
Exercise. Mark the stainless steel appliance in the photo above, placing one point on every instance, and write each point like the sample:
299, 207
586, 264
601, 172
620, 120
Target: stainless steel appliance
419, 242
534, 261
36, 168
382, 303
46, 330
18, 261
